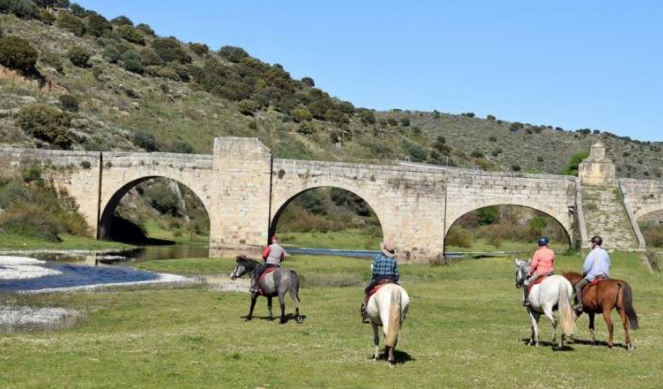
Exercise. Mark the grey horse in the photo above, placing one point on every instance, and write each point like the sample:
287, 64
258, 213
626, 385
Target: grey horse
273, 284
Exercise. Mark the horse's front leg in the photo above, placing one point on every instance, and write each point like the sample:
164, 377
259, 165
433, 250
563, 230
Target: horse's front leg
391, 360
254, 298
551, 316
376, 341
534, 316
591, 327
607, 315
269, 307
282, 304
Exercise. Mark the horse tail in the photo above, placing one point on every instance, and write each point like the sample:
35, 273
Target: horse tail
565, 309
394, 318
627, 299
294, 288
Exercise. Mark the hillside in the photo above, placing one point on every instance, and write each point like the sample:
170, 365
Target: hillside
140, 91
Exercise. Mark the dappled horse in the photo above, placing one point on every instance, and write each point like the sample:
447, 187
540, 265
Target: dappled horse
387, 307
554, 292
604, 296
275, 283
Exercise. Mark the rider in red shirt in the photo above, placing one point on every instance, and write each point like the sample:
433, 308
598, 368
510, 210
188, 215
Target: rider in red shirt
542, 264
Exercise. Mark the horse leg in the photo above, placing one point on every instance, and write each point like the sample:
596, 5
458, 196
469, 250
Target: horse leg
294, 295
625, 324
551, 316
282, 304
269, 307
376, 341
390, 358
607, 316
591, 327
254, 298
534, 316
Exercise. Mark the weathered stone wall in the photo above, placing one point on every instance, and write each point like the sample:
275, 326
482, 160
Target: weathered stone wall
244, 190
643, 196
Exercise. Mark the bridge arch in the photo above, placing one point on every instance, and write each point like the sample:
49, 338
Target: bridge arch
115, 193
285, 199
563, 219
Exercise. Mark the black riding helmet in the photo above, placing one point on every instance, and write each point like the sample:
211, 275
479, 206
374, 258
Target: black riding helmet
543, 241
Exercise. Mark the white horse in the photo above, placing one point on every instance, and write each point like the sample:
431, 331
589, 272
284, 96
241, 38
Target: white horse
553, 292
387, 308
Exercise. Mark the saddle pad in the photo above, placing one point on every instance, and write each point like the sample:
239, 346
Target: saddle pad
375, 290
538, 281
269, 270
597, 280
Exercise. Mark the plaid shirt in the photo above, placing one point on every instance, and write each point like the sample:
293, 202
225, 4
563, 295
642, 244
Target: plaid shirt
385, 266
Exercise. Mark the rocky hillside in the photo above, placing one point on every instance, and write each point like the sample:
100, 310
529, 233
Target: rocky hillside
72, 79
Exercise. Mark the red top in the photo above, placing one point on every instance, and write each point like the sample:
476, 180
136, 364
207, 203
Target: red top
543, 261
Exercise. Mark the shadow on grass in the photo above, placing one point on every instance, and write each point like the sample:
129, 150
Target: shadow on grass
400, 357
552, 345
598, 343
288, 318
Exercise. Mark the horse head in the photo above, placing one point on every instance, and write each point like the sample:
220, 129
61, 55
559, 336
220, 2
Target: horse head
243, 265
521, 272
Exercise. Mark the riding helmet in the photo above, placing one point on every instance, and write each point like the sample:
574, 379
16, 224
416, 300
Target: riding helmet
598, 240
543, 241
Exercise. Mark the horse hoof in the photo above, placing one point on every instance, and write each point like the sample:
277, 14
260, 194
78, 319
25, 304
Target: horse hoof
630, 347
609, 345
391, 365
247, 319
283, 321
300, 320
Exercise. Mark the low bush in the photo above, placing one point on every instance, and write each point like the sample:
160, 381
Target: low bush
71, 23
459, 237
79, 56
17, 53
45, 123
130, 34
233, 53
69, 103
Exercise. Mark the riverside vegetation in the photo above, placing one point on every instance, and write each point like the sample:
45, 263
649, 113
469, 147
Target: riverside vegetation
189, 337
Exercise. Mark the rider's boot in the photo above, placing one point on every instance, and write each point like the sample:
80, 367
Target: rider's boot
364, 315
578, 307
254, 284
526, 301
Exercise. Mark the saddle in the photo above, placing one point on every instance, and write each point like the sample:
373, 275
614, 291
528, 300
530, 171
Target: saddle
375, 289
597, 280
269, 270
538, 281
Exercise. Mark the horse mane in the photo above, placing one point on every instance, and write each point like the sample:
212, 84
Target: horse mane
248, 263
572, 276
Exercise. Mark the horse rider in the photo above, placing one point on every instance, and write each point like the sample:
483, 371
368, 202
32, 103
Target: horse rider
272, 255
384, 270
597, 264
542, 265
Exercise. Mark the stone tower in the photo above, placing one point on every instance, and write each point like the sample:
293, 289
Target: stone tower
598, 169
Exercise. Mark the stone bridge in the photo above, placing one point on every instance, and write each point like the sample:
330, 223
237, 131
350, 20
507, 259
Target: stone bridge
245, 190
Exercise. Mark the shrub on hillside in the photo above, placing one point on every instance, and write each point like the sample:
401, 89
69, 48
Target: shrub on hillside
162, 198
248, 107
69, 103
146, 29
122, 21
571, 168
308, 81
78, 10
307, 128
30, 219
17, 53
71, 23
416, 153
51, 59
145, 141
301, 114
405, 122
182, 147
199, 48
233, 53
45, 123
150, 57
170, 49
132, 62
79, 56
97, 25
25, 9
46, 17
130, 34
366, 116
111, 54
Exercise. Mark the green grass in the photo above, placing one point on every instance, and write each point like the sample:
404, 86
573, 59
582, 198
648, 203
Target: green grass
177, 235
482, 245
69, 242
465, 329
346, 239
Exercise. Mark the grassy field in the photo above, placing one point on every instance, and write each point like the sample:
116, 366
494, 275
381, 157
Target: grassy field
69, 242
178, 235
483, 245
347, 239
465, 329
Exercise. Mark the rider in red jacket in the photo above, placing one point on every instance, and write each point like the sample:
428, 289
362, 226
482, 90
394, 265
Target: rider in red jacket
543, 263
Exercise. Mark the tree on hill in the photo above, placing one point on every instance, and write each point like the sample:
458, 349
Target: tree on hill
79, 56
308, 81
574, 163
170, 49
17, 53
97, 25
45, 123
233, 53
130, 34
71, 23
25, 9
122, 21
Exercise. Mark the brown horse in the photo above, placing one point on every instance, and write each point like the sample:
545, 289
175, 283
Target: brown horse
603, 298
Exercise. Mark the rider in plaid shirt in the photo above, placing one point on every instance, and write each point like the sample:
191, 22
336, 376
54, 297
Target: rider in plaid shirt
384, 269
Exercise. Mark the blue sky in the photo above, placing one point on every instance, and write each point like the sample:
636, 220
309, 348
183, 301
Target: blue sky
575, 64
